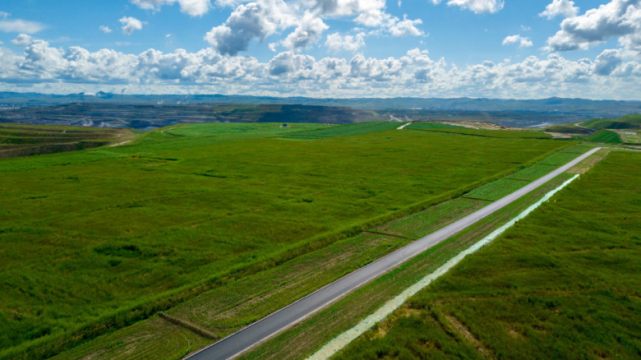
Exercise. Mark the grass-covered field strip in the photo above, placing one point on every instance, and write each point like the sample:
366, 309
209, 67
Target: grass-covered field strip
533, 172
563, 283
605, 136
303, 340
102, 239
344, 130
496, 189
491, 133
27, 140
422, 125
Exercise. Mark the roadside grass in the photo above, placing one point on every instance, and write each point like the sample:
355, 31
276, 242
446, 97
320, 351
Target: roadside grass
496, 189
533, 172
309, 336
96, 241
422, 125
421, 223
605, 136
494, 133
563, 283
344, 130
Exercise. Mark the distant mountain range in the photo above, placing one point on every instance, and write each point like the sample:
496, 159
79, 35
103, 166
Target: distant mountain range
581, 107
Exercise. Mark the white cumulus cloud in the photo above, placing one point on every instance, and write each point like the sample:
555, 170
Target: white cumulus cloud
617, 19
21, 26
477, 6
22, 40
130, 24
337, 42
563, 8
190, 7
514, 39
105, 29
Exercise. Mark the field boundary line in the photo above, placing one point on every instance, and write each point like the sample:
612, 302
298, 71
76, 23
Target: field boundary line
350, 335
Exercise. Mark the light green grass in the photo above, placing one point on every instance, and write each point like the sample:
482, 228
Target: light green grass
495, 133
496, 189
345, 130
563, 283
605, 136
422, 125
103, 239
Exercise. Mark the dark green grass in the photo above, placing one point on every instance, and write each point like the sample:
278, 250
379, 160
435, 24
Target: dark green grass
345, 130
564, 283
569, 129
496, 189
561, 158
495, 133
26, 140
605, 136
533, 172
422, 125
88, 235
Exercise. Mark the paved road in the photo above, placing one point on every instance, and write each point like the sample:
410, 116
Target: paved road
277, 322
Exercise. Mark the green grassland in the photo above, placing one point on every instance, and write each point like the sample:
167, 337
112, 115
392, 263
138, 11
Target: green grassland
569, 129
605, 136
26, 140
491, 133
423, 125
496, 189
563, 283
103, 238
343, 130
226, 309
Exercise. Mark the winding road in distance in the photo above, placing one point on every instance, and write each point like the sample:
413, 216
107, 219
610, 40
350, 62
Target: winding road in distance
279, 321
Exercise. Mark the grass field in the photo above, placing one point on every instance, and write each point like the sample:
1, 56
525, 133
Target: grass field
492, 133
423, 125
225, 310
344, 130
496, 189
563, 283
630, 136
605, 136
105, 238
26, 140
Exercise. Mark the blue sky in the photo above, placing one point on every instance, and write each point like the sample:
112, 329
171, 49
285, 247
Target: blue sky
448, 48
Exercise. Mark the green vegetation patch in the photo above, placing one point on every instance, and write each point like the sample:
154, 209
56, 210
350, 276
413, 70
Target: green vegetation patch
495, 133
569, 129
605, 136
533, 172
496, 189
563, 283
422, 125
345, 130
561, 158
427, 221
87, 237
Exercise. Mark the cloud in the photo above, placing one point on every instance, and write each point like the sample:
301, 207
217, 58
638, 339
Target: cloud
524, 41
22, 40
129, 25
563, 8
307, 33
190, 7
336, 42
254, 20
607, 62
617, 19
21, 26
105, 29
413, 74
4, 14
405, 27
477, 6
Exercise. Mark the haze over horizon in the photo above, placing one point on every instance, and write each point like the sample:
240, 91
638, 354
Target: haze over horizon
491, 49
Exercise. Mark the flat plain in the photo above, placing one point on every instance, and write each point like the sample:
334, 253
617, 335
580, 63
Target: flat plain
122, 233
562, 283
